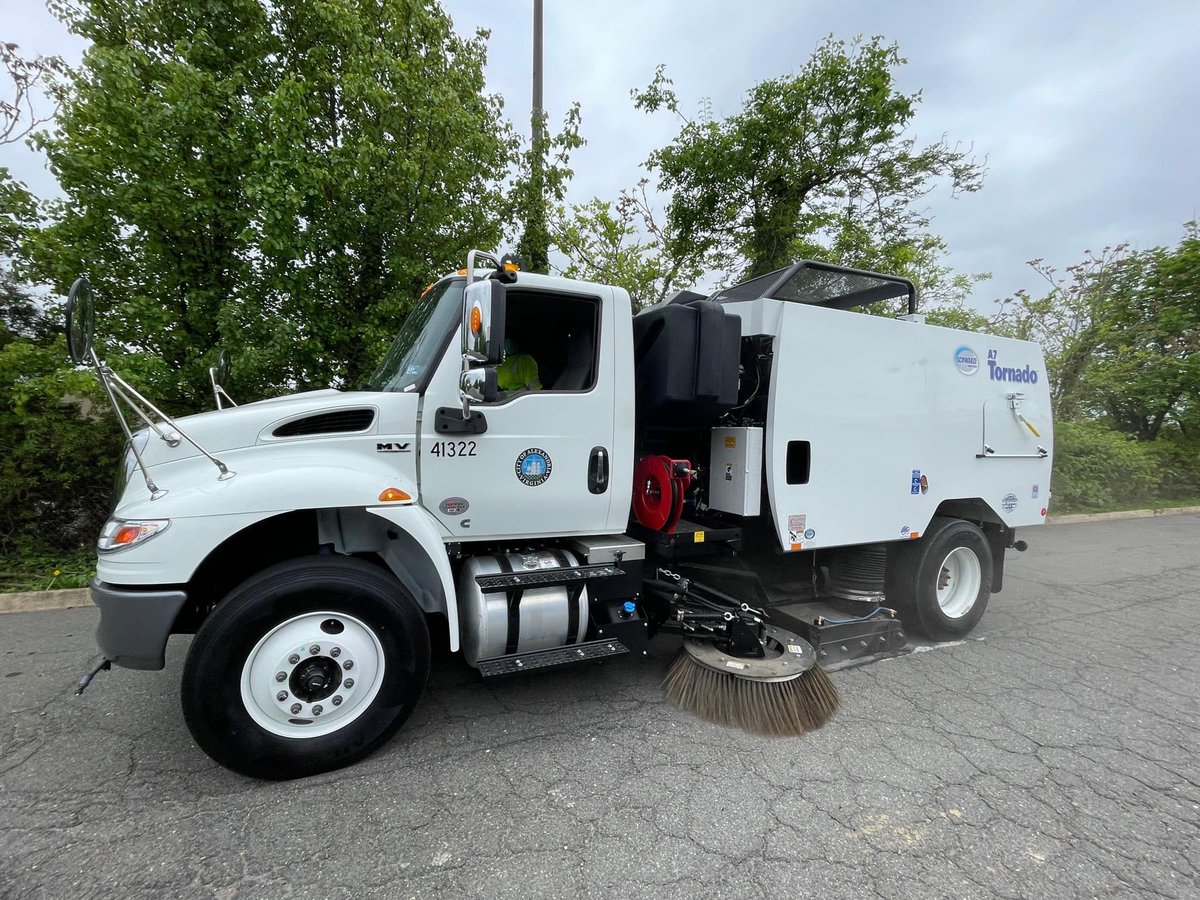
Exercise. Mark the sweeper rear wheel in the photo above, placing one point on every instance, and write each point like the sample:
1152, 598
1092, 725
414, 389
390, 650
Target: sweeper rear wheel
941, 583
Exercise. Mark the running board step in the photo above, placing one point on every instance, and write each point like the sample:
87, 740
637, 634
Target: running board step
539, 578
538, 660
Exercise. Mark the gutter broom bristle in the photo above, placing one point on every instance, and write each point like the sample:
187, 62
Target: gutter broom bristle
772, 708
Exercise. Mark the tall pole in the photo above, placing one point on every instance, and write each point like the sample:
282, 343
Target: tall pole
535, 243
538, 132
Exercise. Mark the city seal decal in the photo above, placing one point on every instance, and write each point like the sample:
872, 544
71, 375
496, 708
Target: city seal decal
533, 467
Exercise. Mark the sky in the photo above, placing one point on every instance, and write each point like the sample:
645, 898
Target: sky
1084, 111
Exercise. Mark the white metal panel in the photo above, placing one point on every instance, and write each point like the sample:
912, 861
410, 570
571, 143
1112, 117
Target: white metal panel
735, 470
885, 402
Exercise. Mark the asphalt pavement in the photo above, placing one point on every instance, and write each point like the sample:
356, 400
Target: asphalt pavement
1054, 753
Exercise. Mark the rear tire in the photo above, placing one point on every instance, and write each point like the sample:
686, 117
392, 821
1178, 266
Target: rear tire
352, 648
940, 583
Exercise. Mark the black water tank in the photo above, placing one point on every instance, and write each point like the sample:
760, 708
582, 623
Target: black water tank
686, 363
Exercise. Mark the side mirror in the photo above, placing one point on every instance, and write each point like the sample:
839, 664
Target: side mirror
479, 385
483, 322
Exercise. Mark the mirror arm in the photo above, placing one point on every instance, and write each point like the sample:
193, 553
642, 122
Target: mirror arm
477, 254
123, 386
101, 370
218, 391
171, 440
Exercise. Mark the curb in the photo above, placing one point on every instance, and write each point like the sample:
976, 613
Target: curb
40, 601
1124, 514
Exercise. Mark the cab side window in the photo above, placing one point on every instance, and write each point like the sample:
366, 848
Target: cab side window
551, 342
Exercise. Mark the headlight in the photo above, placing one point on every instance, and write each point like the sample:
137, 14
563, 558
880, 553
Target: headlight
121, 533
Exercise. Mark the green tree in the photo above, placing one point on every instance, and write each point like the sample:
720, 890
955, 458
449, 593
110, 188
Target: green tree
819, 163
543, 172
1145, 370
625, 243
278, 178
383, 162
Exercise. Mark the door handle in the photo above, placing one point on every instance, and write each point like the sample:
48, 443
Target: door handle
598, 471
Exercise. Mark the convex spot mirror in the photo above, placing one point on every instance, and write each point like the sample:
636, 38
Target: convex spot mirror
479, 385
483, 322
81, 320
224, 369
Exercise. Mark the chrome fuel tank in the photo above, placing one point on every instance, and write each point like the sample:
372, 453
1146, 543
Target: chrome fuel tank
498, 623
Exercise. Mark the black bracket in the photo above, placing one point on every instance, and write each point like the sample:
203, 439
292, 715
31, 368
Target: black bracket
449, 420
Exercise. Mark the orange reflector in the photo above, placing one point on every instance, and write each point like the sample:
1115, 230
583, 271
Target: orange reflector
392, 495
462, 271
127, 534
476, 319
914, 534
511, 267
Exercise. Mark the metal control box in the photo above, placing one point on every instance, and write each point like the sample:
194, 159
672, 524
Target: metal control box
735, 465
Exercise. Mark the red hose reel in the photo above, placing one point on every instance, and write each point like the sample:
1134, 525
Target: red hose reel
659, 486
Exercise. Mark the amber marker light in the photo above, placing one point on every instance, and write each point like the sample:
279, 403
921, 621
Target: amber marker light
476, 319
393, 495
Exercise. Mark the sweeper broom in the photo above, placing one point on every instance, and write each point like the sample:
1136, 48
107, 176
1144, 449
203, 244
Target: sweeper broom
547, 479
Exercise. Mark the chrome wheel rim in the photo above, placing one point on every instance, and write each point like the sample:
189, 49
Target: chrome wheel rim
312, 675
959, 580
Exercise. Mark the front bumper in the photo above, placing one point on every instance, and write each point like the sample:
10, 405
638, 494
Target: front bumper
135, 624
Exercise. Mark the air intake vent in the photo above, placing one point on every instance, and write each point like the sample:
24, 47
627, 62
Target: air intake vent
341, 422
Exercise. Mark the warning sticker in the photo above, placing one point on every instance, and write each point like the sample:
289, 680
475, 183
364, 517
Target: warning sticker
796, 528
731, 442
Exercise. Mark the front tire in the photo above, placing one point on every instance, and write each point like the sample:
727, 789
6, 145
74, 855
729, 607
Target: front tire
941, 583
308, 666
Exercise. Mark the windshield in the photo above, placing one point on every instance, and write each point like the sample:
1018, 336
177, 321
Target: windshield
419, 344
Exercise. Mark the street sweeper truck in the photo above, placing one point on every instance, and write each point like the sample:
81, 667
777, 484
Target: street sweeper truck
538, 477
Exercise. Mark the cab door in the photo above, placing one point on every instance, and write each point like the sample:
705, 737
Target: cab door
542, 465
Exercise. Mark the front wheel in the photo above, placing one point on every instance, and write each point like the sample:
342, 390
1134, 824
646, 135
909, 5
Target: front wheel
309, 666
941, 583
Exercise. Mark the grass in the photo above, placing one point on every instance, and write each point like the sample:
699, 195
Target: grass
48, 573
1126, 507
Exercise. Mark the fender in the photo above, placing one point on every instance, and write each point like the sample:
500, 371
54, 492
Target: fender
204, 512
432, 584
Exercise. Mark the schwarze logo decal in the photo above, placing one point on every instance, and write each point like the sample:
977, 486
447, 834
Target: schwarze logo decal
966, 360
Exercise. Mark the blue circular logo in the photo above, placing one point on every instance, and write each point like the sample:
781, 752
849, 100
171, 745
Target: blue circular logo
966, 360
533, 467
809, 534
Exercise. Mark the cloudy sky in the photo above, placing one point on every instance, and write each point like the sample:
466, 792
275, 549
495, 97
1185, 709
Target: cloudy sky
1085, 111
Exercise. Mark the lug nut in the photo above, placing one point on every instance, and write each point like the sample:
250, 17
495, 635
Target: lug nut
293, 659
335, 652
317, 710
349, 683
337, 701
348, 665
296, 709
281, 676
281, 696
314, 649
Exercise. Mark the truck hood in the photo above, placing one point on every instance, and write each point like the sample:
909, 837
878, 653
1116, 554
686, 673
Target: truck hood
311, 415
